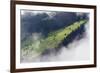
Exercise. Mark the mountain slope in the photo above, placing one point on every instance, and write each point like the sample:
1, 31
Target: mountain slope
37, 47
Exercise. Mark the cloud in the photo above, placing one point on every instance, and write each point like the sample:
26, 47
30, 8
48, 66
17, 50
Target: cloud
32, 13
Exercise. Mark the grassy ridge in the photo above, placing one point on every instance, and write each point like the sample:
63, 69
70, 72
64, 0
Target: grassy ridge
53, 40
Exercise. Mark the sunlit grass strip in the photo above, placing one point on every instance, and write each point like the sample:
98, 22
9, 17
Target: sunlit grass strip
52, 40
